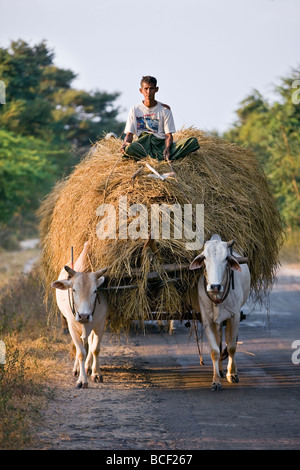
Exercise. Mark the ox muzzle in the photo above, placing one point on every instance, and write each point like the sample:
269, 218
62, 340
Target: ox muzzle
83, 317
215, 288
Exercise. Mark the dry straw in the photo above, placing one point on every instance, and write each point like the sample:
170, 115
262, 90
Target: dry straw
224, 177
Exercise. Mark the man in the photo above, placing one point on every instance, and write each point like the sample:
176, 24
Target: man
152, 122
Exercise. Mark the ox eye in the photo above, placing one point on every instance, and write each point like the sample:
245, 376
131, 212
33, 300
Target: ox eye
74, 290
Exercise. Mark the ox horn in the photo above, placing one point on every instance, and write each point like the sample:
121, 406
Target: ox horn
231, 243
70, 271
100, 272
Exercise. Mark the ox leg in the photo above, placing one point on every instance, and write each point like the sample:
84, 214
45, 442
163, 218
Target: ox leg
172, 327
76, 367
82, 381
64, 325
213, 336
222, 354
95, 350
89, 359
231, 340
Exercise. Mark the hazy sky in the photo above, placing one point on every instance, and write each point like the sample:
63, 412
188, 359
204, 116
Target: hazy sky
206, 54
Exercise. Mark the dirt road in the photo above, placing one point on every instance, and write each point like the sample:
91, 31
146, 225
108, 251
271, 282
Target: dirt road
156, 396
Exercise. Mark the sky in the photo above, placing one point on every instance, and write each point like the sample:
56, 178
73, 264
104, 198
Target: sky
207, 55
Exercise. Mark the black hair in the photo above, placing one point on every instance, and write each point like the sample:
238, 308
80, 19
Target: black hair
148, 79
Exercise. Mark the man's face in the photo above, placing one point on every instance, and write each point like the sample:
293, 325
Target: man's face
148, 90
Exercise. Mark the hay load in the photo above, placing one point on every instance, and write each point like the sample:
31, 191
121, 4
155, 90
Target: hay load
224, 177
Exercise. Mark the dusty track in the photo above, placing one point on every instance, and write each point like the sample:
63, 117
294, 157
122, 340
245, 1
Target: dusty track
156, 396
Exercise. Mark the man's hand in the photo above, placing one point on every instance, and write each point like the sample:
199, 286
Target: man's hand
167, 154
124, 145
128, 139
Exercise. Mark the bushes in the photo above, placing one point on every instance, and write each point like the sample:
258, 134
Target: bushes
24, 389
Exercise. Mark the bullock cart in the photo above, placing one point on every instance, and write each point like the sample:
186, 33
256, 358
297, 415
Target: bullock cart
149, 273
107, 204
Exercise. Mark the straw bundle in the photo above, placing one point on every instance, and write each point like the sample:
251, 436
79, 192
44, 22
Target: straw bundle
224, 177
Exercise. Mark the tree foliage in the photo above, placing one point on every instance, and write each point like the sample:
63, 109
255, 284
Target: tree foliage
47, 125
41, 102
28, 169
271, 129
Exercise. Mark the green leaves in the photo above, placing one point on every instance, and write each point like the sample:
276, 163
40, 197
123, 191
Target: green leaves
272, 131
46, 127
27, 172
41, 102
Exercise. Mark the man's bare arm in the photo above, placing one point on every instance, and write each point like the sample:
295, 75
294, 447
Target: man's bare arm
127, 140
168, 143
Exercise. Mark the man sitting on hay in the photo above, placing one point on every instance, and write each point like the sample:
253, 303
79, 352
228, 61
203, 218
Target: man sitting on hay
152, 122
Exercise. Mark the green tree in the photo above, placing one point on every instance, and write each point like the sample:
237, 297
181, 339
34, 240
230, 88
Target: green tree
46, 127
28, 170
272, 131
41, 102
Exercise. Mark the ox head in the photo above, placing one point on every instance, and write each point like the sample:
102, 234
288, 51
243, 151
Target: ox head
214, 258
84, 291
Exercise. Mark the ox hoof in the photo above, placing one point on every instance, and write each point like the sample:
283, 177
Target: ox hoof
216, 387
233, 378
97, 378
82, 385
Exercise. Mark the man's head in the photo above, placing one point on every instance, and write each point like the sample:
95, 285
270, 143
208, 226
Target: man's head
149, 88
149, 80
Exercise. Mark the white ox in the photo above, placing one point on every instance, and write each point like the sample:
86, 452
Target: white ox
218, 301
85, 310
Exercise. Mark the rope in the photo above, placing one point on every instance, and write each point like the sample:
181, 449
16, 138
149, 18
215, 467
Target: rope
199, 342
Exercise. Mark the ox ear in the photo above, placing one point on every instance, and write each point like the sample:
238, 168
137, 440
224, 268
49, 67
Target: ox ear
99, 278
100, 281
70, 271
63, 285
198, 262
233, 263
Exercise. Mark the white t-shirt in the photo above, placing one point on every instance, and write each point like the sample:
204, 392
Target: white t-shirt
157, 120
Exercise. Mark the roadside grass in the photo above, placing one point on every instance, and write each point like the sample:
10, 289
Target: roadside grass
34, 345
13, 262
